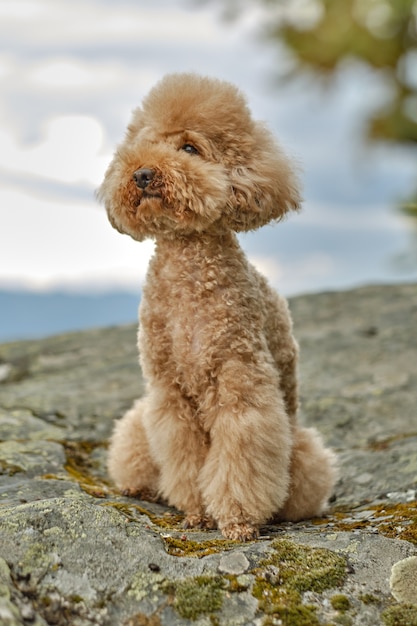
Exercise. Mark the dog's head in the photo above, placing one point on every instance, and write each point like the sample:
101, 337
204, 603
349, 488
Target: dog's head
193, 159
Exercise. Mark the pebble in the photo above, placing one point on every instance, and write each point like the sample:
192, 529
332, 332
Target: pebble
5, 371
403, 581
403, 496
234, 563
364, 478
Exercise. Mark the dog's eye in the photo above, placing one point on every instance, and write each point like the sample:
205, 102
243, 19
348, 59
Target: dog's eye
189, 148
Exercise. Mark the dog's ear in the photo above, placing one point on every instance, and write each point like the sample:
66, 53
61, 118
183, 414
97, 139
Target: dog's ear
264, 188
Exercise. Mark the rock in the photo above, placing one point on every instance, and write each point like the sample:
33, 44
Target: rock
403, 581
73, 551
234, 563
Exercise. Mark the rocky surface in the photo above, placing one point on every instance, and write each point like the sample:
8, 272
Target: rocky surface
73, 551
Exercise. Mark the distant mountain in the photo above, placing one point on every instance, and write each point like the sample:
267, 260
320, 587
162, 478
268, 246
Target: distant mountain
31, 314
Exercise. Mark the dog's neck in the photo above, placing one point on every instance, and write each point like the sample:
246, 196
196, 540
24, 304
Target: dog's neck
204, 258
209, 243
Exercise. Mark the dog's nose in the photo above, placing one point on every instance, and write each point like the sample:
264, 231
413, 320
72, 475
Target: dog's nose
143, 177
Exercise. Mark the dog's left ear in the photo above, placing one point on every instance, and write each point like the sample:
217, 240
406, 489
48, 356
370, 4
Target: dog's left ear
264, 188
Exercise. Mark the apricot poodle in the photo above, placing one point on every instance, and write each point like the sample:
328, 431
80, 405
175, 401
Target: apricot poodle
216, 434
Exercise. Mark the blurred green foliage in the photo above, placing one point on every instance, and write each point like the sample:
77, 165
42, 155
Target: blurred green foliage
321, 35
380, 33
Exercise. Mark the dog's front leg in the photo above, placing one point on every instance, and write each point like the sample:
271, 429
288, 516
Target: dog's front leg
245, 477
180, 447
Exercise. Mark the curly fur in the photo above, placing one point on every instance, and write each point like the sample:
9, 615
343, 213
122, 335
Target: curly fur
216, 434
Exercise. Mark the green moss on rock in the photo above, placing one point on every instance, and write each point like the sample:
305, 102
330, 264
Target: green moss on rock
187, 547
304, 568
403, 524
140, 619
79, 465
193, 597
343, 620
146, 585
400, 615
340, 602
9, 468
289, 570
369, 598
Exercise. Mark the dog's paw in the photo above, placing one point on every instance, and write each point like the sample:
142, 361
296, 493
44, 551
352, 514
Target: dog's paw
140, 494
196, 520
240, 532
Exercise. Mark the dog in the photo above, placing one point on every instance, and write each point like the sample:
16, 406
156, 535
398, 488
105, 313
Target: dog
216, 433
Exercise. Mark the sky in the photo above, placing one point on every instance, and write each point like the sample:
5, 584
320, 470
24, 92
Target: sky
71, 72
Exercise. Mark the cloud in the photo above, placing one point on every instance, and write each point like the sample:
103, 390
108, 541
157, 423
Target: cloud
268, 266
80, 24
46, 244
70, 151
67, 74
11, 11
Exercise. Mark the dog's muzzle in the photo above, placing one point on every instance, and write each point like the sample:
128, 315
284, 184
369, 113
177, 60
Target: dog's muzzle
143, 177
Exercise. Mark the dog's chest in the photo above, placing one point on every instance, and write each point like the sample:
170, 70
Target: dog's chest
192, 317
192, 308
191, 329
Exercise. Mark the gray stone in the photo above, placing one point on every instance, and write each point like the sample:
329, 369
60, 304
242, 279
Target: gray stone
234, 563
21, 424
33, 458
74, 551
